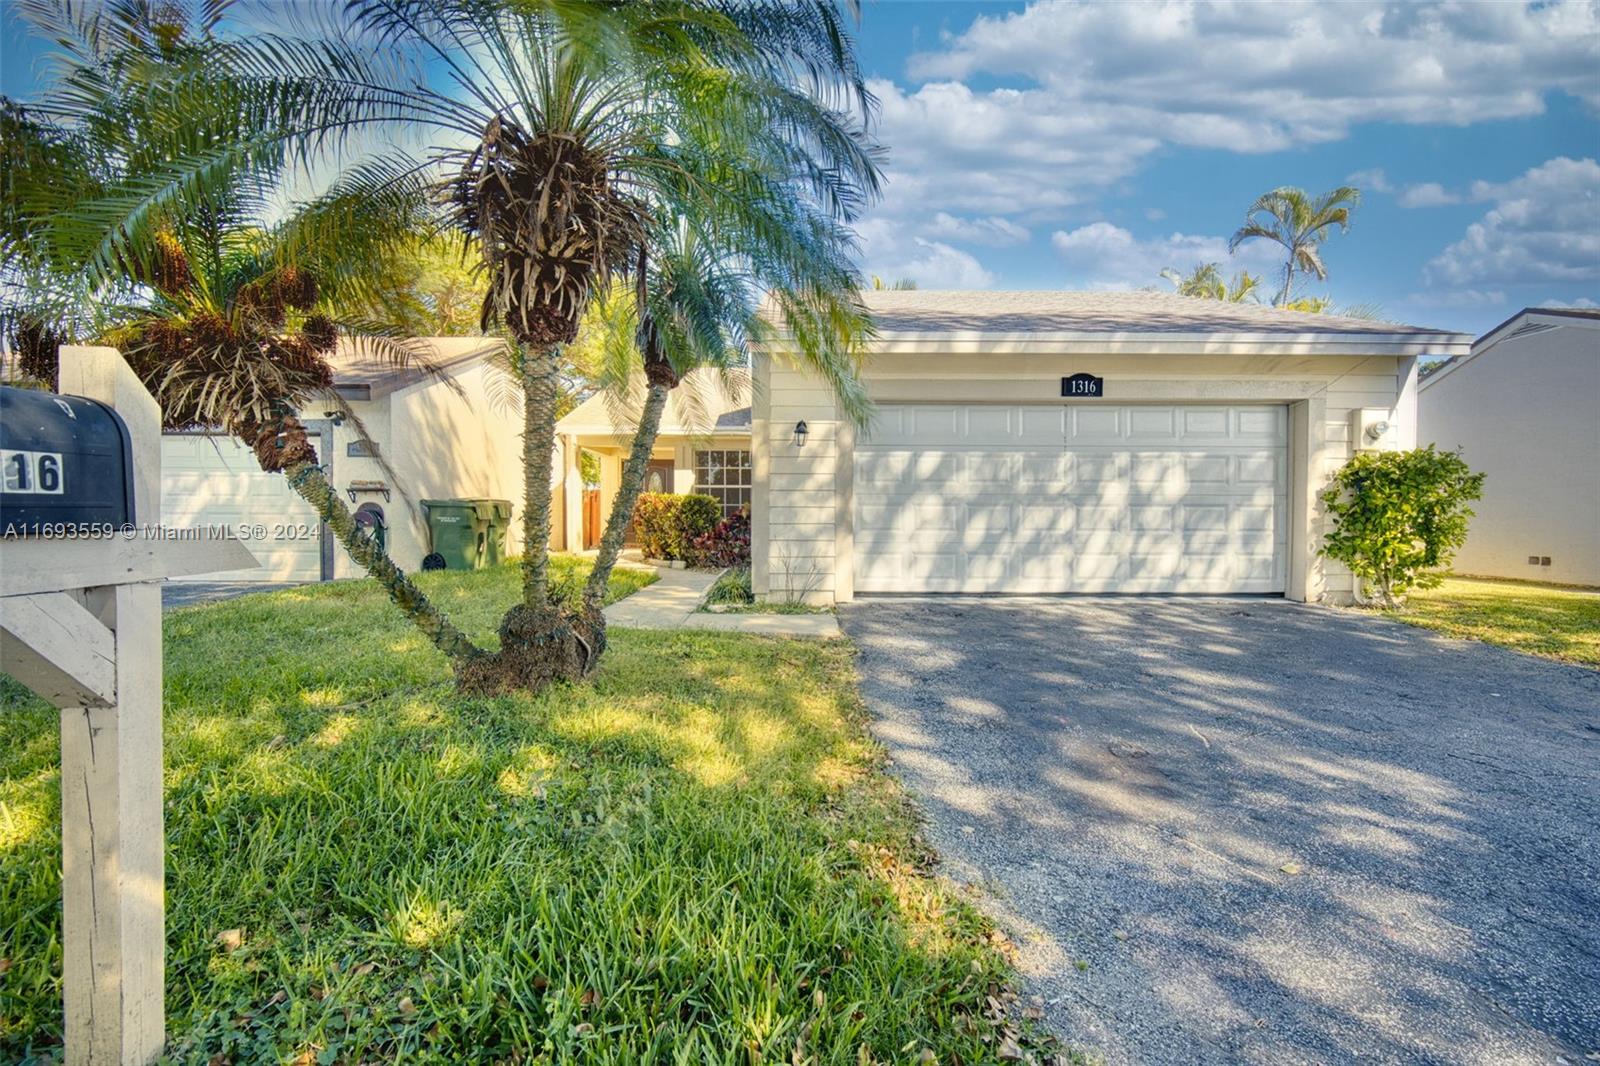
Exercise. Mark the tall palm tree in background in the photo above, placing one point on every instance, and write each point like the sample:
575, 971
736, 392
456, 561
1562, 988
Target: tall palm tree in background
133, 212
1292, 218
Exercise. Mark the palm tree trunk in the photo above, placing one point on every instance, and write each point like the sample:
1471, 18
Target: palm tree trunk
311, 485
1288, 282
633, 471
539, 398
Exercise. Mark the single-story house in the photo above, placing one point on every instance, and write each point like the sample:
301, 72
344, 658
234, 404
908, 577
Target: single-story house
454, 430
1522, 408
1055, 442
703, 446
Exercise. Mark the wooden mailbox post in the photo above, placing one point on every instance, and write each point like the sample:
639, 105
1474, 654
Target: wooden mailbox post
80, 624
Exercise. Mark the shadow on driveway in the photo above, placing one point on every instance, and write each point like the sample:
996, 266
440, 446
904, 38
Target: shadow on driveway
1271, 833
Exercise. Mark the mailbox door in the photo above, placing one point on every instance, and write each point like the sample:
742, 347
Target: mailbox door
65, 462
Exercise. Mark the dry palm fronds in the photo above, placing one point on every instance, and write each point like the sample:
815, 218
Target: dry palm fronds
551, 224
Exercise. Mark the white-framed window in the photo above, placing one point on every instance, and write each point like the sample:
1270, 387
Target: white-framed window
725, 476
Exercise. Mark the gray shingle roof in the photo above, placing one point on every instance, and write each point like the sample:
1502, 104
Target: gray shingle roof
989, 311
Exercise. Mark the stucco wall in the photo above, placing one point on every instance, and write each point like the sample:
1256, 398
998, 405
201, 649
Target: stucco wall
1523, 411
439, 442
803, 496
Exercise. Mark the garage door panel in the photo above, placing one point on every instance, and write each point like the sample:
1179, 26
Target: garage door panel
1204, 424
1152, 423
1259, 424
1092, 425
1041, 425
1145, 498
1045, 470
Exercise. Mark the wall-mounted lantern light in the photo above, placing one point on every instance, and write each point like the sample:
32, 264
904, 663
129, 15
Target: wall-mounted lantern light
800, 432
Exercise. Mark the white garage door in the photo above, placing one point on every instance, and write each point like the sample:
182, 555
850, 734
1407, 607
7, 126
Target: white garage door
216, 481
1056, 498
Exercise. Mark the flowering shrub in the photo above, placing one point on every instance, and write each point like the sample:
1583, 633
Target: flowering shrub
726, 545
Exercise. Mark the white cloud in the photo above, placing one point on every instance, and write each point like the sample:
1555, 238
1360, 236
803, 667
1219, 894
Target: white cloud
1090, 92
1427, 194
1226, 75
1371, 181
1008, 152
992, 230
1154, 214
892, 253
1544, 226
1105, 256
1457, 298
1581, 303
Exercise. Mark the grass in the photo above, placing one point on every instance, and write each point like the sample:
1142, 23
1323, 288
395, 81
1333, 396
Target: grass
694, 858
1557, 623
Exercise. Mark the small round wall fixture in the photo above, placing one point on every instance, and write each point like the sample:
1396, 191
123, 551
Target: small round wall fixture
800, 432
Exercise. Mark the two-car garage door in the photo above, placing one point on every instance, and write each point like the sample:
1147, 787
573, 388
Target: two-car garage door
1072, 498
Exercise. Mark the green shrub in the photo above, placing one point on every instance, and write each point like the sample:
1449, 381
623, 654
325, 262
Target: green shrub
732, 587
667, 524
1398, 517
654, 518
697, 516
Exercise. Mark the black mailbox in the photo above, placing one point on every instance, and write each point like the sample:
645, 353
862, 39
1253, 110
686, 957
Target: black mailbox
65, 463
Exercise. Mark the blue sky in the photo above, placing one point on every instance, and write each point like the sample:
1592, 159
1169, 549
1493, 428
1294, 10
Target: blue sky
1066, 145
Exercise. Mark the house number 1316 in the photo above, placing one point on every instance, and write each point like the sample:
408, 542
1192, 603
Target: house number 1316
1083, 385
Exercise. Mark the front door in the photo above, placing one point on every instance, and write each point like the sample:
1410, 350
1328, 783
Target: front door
657, 478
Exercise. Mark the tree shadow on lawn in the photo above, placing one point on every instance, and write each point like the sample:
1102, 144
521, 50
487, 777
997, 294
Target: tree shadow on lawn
1133, 778
690, 858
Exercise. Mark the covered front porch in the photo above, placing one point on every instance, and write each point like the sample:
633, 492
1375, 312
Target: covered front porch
703, 446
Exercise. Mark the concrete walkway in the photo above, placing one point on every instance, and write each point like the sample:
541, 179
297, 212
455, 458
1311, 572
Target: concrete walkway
667, 604
673, 602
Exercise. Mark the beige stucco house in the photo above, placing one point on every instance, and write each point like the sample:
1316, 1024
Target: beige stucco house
1045, 442
1524, 408
453, 431
703, 446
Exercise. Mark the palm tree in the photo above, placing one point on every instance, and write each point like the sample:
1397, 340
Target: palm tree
1206, 281
693, 305
228, 321
583, 127
568, 130
1291, 218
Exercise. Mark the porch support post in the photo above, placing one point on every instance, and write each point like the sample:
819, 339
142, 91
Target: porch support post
572, 495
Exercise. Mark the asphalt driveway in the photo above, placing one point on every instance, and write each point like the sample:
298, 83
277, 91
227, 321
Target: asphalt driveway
1249, 831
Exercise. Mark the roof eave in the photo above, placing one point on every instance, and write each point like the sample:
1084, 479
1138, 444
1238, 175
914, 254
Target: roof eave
1134, 342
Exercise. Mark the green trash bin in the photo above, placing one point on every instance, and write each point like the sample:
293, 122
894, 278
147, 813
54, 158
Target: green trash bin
453, 534
467, 534
495, 515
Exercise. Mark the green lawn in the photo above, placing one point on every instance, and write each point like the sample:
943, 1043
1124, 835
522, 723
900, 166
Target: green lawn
1557, 623
696, 858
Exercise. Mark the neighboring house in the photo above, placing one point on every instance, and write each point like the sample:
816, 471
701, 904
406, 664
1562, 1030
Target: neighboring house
1043, 442
455, 431
1524, 408
703, 446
